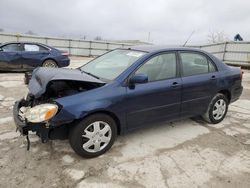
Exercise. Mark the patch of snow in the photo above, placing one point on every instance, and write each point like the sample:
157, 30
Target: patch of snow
84, 184
34, 150
5, 149
75, 174
241, 130
5, 120
247, 142
230, 132
9, 135
68, 159
1, 97
8, 84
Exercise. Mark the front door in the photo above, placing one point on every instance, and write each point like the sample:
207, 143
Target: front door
10, 57
158, 99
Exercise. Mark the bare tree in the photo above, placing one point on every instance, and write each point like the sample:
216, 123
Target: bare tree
98, 38
218, 36
30, 33
83, 37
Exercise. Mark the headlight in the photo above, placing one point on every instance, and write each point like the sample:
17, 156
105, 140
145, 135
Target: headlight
41, 113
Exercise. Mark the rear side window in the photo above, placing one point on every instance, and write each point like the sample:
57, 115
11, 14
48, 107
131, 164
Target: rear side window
160, 67
33, 48
12, 47
42, 49
194, 64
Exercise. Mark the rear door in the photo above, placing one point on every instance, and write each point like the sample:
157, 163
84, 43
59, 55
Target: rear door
199, 79
33, 55
159, 99
10, 57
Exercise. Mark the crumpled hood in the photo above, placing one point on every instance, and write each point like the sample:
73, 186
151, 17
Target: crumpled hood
42, 76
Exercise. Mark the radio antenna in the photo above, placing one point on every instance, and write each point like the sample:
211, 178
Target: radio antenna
189, 38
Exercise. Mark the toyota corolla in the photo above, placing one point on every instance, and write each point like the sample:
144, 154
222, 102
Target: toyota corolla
123, 90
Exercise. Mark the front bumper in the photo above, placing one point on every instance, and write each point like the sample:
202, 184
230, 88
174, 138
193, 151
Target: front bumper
24, 127
21, 126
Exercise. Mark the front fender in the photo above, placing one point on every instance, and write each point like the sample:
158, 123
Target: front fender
69, 113
102, 99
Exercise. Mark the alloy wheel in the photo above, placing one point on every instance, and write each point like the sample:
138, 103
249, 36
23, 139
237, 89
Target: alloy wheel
49, 63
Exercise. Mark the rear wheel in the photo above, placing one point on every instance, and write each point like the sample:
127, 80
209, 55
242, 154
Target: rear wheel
50, 63
93, 136
217, 109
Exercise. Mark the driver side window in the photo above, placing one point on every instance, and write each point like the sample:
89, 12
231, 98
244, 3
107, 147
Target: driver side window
160, 67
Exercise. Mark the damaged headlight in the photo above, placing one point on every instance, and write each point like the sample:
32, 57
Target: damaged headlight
41, 113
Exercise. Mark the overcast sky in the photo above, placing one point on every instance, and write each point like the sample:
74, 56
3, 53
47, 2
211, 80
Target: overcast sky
168, 21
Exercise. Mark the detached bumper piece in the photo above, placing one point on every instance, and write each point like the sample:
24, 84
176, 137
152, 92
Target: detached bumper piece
24, 127
27, 77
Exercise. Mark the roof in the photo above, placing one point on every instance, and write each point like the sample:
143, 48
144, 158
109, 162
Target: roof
154, 48
22, 42
26, 42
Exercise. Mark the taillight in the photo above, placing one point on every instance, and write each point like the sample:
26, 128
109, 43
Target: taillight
241, 74
65, 53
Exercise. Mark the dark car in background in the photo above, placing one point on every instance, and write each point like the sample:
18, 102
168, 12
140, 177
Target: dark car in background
123, 90
20, 56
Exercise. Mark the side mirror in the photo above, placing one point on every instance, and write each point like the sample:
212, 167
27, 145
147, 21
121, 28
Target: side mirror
138, 79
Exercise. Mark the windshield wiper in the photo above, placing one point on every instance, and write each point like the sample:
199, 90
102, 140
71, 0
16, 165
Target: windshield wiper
91, 74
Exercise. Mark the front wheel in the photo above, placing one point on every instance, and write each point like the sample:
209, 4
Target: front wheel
217, 109
93, 136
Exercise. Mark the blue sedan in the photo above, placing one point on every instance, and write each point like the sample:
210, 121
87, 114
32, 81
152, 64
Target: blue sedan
19, 56
123, 90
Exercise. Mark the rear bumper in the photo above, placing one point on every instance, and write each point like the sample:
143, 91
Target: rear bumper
236, 93
64, 62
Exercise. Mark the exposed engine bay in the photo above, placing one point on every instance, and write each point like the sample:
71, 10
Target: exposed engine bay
62, 88
49, 84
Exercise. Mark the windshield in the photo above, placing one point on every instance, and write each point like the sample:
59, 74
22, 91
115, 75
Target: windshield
112, 64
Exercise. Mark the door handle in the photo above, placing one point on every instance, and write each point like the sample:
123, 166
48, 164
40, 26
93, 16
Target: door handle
175, 84
213, 77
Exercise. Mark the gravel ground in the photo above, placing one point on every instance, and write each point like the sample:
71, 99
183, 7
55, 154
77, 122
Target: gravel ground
187, 153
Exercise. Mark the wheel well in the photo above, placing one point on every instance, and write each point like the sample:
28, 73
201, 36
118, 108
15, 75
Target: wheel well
50, 59
112, 115
227, 94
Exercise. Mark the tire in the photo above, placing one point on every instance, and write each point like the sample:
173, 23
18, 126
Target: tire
50, 63
85, 137
219, 102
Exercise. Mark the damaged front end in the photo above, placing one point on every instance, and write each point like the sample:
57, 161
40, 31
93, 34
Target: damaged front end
35, 119
37, 110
